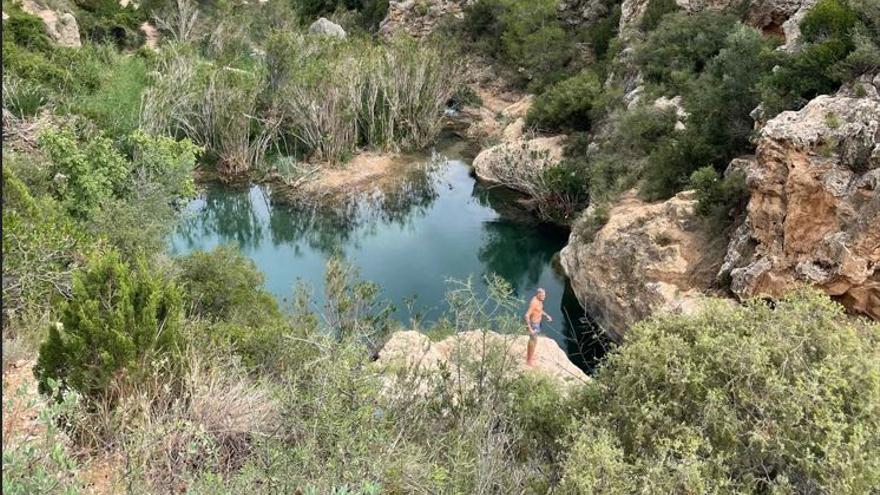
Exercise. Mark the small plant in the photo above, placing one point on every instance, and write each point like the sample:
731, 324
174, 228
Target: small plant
832, 120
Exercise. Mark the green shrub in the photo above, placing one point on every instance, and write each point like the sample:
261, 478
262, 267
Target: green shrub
165, 161
567, 105
23, 98
525, 36
828, 29
223, 284
719, 199
601, 33
86, 174
680, 47
655, 12
735, 400
118, 322
37, 459
25, 30
115, 104
719, 102
41, 245
106, 21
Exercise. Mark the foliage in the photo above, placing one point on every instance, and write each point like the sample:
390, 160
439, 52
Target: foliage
839, 42
41, 246
224, 285
567, 105
115, 104
86, 174
719, 199
25, 30
119, 321
107, 21
43, 463
655, 12
735, 401
166, 162
338, 95
718, 103
352, 307
23, 98
680, 47
524, 35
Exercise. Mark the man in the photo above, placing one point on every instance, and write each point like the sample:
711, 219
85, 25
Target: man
533, 322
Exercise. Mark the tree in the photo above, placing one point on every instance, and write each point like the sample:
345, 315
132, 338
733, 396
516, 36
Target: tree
118, 322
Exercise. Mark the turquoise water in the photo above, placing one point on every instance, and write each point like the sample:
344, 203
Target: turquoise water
437, 224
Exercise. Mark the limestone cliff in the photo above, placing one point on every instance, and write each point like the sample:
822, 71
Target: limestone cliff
415, 349
814, 212
648, 257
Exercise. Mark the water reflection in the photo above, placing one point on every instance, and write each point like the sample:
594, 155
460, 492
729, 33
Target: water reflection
433, 225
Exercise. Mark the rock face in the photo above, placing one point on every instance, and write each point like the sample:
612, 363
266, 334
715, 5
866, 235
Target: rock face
648, 257
418, 18
518, 162
414, 349
326, 27
814, 212
60, 26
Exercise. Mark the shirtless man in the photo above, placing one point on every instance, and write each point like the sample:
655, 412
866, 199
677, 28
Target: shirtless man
533, 322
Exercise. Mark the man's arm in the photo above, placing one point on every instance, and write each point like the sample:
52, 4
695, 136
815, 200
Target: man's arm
549, 318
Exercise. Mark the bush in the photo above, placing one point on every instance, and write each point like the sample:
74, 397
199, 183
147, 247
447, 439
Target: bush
828, 30
85, 174
735, 400
23, 98
224, 285
526, 36
41, 246
680, 47
567, 105
25, 30
719, 199
655, 12
115, 105
118, 323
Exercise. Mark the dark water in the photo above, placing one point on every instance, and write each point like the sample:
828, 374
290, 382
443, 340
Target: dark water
438, 224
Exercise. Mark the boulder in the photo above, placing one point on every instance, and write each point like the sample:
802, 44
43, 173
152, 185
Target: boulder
648, 258
411, 349
814, 212
325, 27
518, 164
60, 26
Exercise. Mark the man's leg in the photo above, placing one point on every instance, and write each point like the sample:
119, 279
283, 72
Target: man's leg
530, 351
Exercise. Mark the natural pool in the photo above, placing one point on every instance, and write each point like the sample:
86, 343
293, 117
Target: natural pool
437, 224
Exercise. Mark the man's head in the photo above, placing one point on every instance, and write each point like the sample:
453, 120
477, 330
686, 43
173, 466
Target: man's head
540, 294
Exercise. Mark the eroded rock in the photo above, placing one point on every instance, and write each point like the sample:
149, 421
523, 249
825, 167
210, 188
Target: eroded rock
518, 163
411, 349
325, 27
648, 257
60, 26
814, 213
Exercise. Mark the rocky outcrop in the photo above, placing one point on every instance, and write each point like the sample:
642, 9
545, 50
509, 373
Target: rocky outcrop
325, 27
771, 16
647, 258
418, 18
518, 163
60, 26
814, 213
414, 349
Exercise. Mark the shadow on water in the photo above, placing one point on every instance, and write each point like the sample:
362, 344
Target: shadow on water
436, 224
